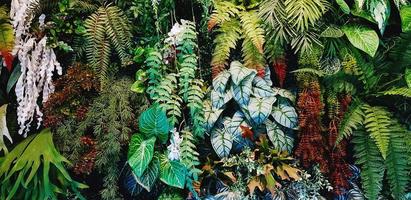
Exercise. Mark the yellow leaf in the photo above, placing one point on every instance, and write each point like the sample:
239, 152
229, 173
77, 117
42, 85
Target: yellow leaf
255, 182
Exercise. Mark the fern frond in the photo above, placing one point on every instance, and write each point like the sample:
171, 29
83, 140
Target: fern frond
405, 92
188, 69
372, 164
196, 106
305, 41
253, 30
164, 94
316, 72
6, 32
352, 120
154, 63
365, 72
305, 13
397, 164
226, 40
223, 12
378, 124
188, 153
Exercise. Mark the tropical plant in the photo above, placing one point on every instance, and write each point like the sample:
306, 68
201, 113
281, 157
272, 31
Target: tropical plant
7, 38
48, 179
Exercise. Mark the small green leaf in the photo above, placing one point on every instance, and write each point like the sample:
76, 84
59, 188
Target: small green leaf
332, 32
408, 77
363, 38
172, 173
140, 154
138, 87
405, 14
344, 6
154, 122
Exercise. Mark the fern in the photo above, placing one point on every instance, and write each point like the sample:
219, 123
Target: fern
372, 165
377, 123
365, 72
305, 13
195, 104
188, 68
405, 92
164, 94
352, 120
107, 27
253, 40
397, 161
223, 12
6, 33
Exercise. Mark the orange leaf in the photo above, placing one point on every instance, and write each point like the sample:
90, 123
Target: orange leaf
247, 133
255, 182
8, 60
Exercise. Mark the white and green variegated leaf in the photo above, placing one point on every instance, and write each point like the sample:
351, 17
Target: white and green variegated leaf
262, 88
284, 93
211, 117
241, 93
218, 99
222, 142
362, 37
281, 141
172, 173
332, 32
260, 108
239, 72
220, 82
140, 154
285, 115
267, 76
232, 126
359, 3
380, 11
150, 175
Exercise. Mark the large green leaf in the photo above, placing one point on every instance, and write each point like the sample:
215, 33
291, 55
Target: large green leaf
220, 82
281, 141
150, 175
344, 6
285, 115
362, 37
140, 154
239, 72
172, 173
222, 142
154, 122
260, 108
262, 88
242, 92
405, 14
380, 11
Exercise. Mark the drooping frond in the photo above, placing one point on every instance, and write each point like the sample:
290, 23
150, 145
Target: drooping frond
371, 162
305, 13
305, 41
405, 92
195, 104
365, 72
377, 123
352, 120
226, 40
6, 32
253, 40
397, 164
223, 12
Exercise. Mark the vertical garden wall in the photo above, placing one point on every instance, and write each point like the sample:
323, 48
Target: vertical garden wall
205, 99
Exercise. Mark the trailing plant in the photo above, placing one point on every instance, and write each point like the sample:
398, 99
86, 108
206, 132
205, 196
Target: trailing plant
48, 179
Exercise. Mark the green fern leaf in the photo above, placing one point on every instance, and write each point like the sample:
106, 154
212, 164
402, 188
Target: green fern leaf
377, 122
352, 120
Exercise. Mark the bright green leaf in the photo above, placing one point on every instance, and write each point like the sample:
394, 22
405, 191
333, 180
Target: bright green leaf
344, 6
363, 38
140, 154
408, 77
405, 14
172, 173
154, 122
150, 175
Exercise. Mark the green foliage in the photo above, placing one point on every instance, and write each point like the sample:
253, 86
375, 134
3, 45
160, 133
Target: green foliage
34, 169
153, 123
107, 29
405, 14
140, 154
362, 38
172, 172
6, 32
353, 119
4, 131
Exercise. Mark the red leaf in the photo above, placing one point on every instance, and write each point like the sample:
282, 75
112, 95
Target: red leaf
247, 133
280, 70
261, 72
8, 60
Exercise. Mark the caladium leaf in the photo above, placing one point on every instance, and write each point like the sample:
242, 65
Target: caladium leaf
241, 93
4, 131
260, 108
222, 142
140, 154
211, 117
281, 141
285, 115
154, 122
239, 72
220, 82
262, 88
284, 93
232, 126
363, 38
267, 76
172, 173
220, 99
150, 175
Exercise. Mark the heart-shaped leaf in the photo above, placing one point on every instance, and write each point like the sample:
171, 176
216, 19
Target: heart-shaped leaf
150, 175
285, 115
222, 142
260, 108
363, 38
140, 154
281, 141
262, 88
232, 126
220, 82
211, 117
241, 93
220, 99
239, 72
172, 173
154, 122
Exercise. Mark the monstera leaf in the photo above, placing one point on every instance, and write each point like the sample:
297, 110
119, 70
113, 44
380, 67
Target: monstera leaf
220, 82
150, 175
281, 141
241, 93
285, 115
260, 108
140, 154
172, 173
363, 38
222, 142
154, 122
262, 88
239, 72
